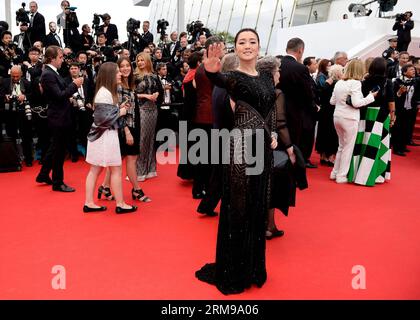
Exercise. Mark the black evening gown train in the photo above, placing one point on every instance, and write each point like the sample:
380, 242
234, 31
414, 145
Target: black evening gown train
240, 251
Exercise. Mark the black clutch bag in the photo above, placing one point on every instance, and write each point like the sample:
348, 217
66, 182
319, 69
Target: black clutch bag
280, 159
348, 101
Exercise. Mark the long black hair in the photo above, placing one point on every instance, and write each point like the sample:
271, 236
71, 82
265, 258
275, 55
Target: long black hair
247, 30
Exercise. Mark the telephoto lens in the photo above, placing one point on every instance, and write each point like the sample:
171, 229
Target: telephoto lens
28, 111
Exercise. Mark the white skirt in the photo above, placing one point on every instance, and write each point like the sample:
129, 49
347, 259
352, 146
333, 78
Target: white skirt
105, 151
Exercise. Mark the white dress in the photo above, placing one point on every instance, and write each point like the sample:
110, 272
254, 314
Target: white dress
105, 151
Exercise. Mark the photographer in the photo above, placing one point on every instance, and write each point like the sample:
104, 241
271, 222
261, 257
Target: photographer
10, 54
146, 35
407, 101
15, 92
69, 22
101, 50
81, 113
86, 40
36, 24
195, 30
110, 30
403, 26
22, 40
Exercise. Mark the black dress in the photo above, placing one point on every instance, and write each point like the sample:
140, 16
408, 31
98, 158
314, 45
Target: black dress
326, 139
240, 252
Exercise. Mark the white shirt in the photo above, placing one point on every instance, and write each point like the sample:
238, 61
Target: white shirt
342, 89
52, 67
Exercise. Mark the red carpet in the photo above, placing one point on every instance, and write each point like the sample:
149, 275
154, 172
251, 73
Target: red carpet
154, 253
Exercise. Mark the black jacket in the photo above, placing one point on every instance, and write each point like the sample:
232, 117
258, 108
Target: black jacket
6, 88
404, 31
50, 40
57, 95
26, 41
37, 31
296, 84
111, 33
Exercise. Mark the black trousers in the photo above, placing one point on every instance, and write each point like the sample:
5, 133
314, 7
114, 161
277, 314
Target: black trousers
213, 191
42, 132
202, 171
54, 159
401, 130
402, 45
412, 123
307, 140
18, 125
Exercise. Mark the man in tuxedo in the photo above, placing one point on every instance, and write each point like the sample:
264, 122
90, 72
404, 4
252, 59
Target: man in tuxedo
295, 82
110, 30
308, 137
22, 39
146, 35
86, 39
53, 39
37, 24
57, 95
396, 71
171, 48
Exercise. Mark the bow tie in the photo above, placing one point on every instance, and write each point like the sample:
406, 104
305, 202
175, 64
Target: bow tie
163, 78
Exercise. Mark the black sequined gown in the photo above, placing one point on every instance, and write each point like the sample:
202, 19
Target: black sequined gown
240, 252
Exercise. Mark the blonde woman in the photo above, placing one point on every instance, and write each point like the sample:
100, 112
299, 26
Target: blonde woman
147, 90
346, 117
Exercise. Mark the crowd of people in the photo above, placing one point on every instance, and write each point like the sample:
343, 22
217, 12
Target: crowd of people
100, 101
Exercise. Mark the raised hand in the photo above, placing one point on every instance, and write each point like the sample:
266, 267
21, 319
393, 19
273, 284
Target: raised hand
212, 58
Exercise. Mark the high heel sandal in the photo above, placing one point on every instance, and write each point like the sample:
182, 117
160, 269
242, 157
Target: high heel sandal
106, 192
140, 195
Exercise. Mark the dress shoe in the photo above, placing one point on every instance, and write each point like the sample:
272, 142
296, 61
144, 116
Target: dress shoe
406, 150
120, 210
74, 158
42, 179
209, 213
310, 165
29, 163
63, 188
413, 144
399, 153
274, 234
87, 209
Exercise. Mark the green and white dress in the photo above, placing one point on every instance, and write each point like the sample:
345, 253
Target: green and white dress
371, 161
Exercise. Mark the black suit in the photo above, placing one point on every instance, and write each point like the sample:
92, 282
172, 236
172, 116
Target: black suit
147, 37
26, 43
37, 29
57, 95
296, 84
111, 33
51, 40
15, 120
404, 34
167, 50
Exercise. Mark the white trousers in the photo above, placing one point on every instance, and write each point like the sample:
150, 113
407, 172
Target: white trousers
347, 133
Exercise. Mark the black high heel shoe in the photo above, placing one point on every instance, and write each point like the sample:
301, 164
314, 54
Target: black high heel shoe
274, 234
120, 210
87, 209
140, 195
106, 192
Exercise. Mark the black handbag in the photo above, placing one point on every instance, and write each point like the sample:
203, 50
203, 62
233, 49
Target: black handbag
280, 159
348, 101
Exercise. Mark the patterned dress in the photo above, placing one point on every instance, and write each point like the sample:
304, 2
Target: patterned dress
240, 252
146, 162
371, 161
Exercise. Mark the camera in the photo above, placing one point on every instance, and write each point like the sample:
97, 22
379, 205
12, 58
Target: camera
400, 17
27, 109
196, 28
22, 15
162, 24
78, 102
133, 25
96, 21
12, 104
